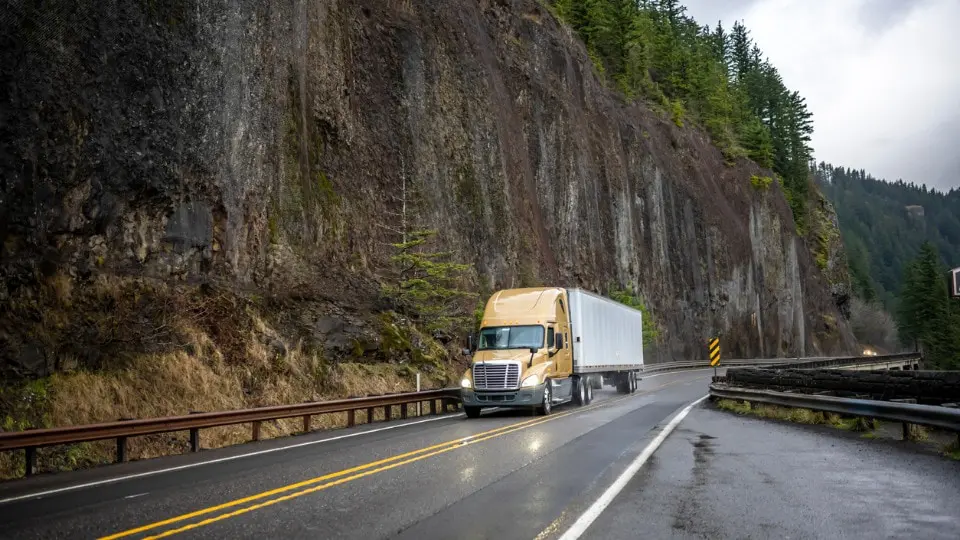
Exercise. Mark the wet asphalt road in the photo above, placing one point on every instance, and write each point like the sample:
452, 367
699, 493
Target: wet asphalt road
719, 475
520, 476
513, 481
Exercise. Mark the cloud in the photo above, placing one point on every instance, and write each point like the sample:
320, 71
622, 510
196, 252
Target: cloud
882, 77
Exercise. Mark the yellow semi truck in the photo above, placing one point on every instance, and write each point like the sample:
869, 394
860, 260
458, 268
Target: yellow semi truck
545, 346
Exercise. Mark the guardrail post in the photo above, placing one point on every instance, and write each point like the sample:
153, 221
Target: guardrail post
370, 416
429, 406
255, 429
350, 418
403, 411
30, 459
195, 436
387, 412
905, 427
306, 423
194, 439
121, 449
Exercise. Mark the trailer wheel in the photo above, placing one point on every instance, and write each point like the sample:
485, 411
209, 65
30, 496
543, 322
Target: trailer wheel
589, 392
472, 412
547, 404
633, 382
623, 383
580, 391
596, 382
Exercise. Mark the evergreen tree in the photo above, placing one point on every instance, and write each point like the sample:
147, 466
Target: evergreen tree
927, 316
720, 46
427, 288
739, 60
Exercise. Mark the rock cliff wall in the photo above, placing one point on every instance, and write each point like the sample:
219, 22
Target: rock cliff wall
272, 149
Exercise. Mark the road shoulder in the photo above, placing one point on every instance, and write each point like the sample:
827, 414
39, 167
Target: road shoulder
720, 475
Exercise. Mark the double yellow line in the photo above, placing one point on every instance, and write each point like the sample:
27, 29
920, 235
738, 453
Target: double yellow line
334, 479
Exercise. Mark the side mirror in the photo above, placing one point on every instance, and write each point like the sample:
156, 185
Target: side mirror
559, 341
533, 350
469, 343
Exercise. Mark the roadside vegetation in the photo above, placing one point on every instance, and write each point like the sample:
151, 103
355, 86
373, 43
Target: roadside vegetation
870, 428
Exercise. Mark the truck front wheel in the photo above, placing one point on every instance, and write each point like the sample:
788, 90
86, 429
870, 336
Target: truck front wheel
472, 412
547, 404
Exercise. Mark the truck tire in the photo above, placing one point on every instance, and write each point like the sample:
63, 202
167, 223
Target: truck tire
623, 383
547, 404
580, 391
596, 382
633, 382
589, 388
472, 412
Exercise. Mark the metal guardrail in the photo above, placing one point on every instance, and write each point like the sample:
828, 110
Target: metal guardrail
30, 440
699, 364
852, 360
811, 362
907, 413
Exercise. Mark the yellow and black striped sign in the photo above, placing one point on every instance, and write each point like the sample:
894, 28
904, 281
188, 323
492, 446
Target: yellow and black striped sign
715, 352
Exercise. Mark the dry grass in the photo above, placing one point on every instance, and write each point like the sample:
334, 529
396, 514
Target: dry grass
799, 416
858, 424
60, 287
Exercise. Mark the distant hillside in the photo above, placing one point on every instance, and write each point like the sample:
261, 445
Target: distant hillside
884, 223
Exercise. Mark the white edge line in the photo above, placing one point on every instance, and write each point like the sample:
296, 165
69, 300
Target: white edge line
40, 494
591, 514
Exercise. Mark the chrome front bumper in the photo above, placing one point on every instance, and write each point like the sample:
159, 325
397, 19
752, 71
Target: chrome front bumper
525, 397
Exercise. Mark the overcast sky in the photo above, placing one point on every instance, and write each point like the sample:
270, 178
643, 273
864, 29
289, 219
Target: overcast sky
882, 77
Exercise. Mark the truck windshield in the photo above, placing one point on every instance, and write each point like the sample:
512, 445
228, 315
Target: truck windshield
511, 337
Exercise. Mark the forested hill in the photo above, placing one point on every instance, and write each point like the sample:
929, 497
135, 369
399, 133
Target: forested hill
884, 223
715, 77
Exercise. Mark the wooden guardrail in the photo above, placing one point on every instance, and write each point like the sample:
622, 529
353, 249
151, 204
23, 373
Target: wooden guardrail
31, 439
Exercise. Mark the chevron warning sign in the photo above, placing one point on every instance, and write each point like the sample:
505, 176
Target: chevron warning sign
714, 352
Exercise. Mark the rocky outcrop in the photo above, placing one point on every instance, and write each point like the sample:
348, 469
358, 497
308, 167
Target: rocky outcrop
823, 236
273, 148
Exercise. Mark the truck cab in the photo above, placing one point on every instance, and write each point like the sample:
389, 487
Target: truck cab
522, 355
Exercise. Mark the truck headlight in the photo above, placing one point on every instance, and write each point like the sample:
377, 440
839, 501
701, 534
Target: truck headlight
466, 383
532, 380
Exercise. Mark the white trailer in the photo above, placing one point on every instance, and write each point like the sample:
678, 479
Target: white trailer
607, 335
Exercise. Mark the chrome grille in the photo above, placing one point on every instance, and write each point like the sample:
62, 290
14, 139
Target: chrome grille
496, 375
